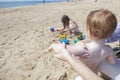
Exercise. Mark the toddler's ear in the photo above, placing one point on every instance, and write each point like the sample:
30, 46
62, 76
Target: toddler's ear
87, 32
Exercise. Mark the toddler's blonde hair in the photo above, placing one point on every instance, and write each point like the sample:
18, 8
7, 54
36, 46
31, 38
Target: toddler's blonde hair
101, 23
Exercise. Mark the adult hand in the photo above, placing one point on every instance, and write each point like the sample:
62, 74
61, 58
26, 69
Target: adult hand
60, 51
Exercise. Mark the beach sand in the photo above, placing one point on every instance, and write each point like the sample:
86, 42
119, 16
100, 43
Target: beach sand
25, 36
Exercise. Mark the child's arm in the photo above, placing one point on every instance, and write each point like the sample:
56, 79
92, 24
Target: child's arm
60, 29
73, 24
111, 57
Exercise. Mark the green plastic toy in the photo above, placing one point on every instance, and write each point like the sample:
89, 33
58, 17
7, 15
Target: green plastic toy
76, 40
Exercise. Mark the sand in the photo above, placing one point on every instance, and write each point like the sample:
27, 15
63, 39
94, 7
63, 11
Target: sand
25, 35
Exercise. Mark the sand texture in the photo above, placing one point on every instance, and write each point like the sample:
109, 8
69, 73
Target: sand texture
25, 35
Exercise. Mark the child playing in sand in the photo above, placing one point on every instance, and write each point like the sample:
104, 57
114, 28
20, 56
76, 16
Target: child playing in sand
69, 26
100, 25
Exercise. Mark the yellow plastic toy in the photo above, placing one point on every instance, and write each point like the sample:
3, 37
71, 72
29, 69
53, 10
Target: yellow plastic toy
62, 36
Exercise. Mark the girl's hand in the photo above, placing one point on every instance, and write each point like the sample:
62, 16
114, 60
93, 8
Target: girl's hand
58, 30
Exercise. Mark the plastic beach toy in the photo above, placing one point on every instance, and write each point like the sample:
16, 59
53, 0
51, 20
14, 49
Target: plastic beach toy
81, 37
76, 40
52, 29
65, 41
62, 36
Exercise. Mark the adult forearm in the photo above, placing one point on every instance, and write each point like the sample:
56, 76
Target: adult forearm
82, 69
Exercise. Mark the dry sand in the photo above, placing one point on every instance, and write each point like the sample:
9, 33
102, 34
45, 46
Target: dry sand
25, 35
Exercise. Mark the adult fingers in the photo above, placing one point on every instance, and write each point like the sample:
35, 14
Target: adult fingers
49, 48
